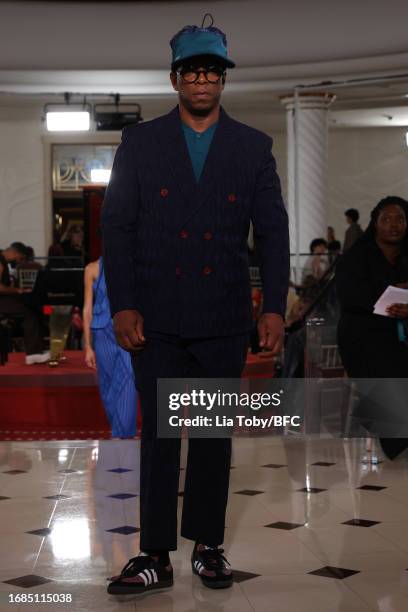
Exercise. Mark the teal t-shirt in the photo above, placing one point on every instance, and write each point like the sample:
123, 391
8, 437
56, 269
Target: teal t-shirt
198, 144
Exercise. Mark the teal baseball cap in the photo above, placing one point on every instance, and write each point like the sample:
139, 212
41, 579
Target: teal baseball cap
192, 41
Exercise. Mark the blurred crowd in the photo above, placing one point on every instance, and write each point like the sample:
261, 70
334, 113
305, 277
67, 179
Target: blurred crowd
19, 266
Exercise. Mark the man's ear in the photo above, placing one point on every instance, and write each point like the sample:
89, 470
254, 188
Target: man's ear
173, 79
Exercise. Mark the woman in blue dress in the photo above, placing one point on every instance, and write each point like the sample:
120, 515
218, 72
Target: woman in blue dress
102, 353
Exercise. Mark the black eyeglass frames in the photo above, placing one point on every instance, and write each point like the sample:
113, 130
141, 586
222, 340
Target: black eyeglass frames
190, 74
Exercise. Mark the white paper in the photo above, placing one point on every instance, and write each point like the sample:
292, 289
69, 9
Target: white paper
392, 295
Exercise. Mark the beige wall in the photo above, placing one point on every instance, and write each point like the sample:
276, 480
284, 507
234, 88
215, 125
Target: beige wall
21, 178
364, 165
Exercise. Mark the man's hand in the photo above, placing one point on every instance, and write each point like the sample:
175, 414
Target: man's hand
271, 332
399, 311
128, 326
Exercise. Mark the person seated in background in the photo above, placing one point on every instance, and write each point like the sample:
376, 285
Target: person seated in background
27, 269
16, 253
317, 263
292, 299
354, 232
295, 336
298, 305
12, 305
29, 262
10, 258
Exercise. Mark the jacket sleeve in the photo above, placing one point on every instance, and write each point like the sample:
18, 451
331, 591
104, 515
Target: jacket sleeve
119, 223
271, 234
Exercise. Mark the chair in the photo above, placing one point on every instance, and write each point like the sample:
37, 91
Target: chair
255, 276
27, 278
330, 361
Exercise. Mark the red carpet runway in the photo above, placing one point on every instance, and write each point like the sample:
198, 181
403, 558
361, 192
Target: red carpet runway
42, 403
39, 402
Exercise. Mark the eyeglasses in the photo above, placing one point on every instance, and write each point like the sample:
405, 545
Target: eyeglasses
191, 74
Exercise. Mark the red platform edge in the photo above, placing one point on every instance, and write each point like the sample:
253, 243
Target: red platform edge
42, 403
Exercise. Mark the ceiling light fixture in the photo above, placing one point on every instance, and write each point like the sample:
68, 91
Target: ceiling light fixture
116, 116
67, 117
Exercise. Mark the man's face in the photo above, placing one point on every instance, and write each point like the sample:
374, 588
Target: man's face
320, 249
77, 238
199, 96
11, 255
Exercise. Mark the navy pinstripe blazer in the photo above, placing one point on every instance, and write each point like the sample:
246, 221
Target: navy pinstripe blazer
176, 249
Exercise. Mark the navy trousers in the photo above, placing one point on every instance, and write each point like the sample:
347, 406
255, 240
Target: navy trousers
208, 461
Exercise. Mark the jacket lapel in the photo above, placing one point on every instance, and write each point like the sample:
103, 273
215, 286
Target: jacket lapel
219, 156
174, 147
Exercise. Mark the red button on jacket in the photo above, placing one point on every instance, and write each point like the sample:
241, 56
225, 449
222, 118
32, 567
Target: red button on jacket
207, 270
208, 236
232, 197
183, 234
164, 192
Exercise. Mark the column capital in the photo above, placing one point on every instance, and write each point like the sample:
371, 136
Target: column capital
308, 100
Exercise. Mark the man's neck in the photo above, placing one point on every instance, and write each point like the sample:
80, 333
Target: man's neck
197, 123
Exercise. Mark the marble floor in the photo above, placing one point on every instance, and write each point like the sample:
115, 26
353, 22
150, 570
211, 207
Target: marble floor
312, 526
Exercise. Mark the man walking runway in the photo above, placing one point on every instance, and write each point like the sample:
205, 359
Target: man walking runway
183, 190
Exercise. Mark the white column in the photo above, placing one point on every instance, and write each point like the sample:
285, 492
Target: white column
307, 136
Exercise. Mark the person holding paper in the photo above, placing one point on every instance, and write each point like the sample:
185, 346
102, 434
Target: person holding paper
375, 345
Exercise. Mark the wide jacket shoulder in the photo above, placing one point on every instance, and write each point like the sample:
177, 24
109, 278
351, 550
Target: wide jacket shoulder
140, 130
170, 120
248, 132
251, 143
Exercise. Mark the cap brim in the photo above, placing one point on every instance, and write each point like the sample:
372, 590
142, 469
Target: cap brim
222, 60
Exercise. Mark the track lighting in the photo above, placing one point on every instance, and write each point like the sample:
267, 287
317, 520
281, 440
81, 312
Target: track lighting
67, 116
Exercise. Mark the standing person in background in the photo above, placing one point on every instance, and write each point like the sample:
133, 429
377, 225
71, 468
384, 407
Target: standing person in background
72, 241
372, 345
333, 245
354, 232
183, 190
102, 353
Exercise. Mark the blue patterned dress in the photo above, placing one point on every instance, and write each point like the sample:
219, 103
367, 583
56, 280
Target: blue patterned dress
114, 367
